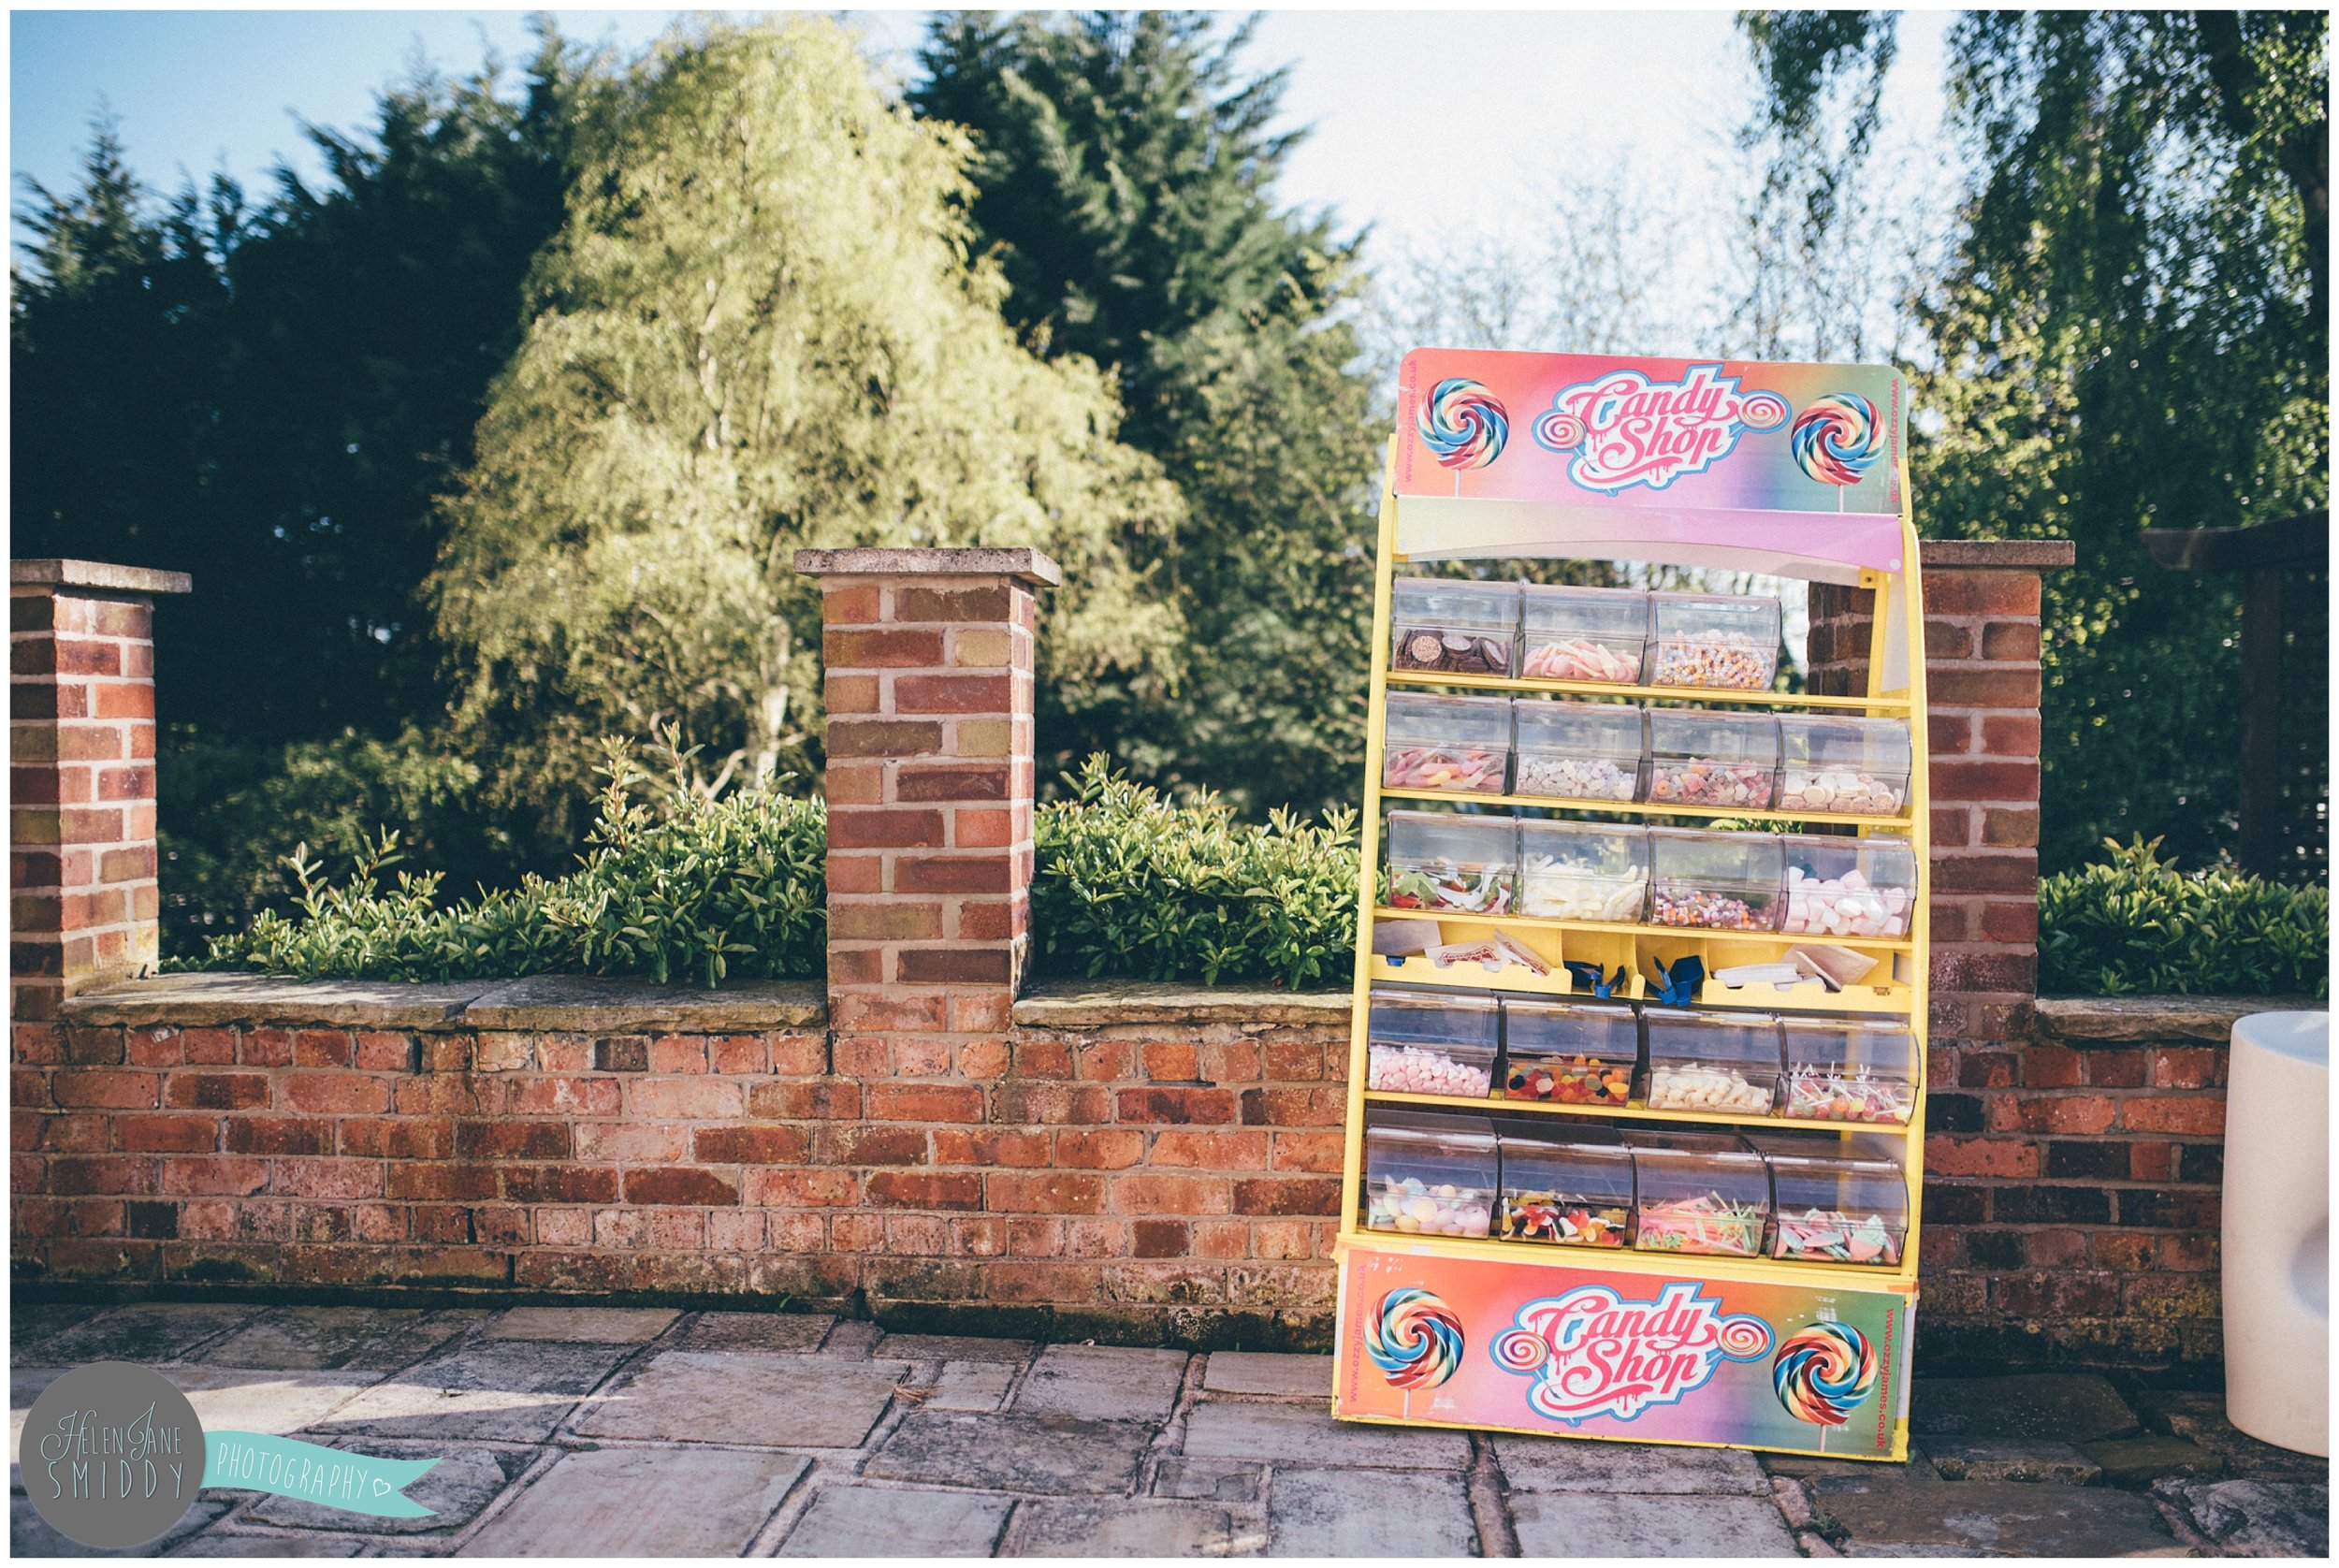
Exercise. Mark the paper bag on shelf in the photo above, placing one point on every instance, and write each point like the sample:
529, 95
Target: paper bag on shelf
1837, 966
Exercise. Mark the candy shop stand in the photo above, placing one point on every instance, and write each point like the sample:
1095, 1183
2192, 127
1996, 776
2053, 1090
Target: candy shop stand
1636, 1109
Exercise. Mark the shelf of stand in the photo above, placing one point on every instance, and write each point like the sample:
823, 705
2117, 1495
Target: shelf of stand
1664, 693
1767, 1270
1645, 808
1620, 928
1635, 1112
1416, 970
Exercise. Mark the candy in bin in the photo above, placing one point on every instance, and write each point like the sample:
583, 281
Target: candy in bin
1582, 871
1718, 1061
1428, 1174
1571, 1189
1583, 633
1466, 864
1700, 1194
1849, 1069
1715, 880
1836, 1202
1723, 761
1453, 627
1855, 767
1431, 1042
1570, 1053
1578, 750
1718, 641
1457, 745
1861, 888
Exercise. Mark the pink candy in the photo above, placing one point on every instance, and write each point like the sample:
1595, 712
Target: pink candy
1844, 905
1408, 1069
1581, 659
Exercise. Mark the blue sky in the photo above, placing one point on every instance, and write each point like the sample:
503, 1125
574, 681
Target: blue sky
1425, 123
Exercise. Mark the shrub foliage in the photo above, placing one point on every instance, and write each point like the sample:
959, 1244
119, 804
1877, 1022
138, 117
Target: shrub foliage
2134, 922
1131, 885
676, 884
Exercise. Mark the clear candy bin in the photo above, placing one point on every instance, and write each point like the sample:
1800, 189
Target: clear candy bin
1457, 743
1578, 750
1849, 887
1429, 1174
1835, 1206
1716, 881
1571, 1190
1724, 1062
1569, 1052
1582, 871
1466, 865
1856, 766
1699, 1195
1454, 627
1724, 761
1583, 633
1431, 1042
1848, 1069
1714, 640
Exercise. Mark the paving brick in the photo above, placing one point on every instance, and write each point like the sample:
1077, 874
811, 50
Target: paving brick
504, 1391
1564, 1524
1140, 1527
381, 1338
1296, 1434
456, 1490
146, 1334
1889, 1516
1358, 1512
644, 1503
1210, 1480
796, 1402
582, 1325
970, 1386
1048, 1455
2011, 1459
2065, 1407
1251, 1372
849, 1521
756, 1332
1551, 1464
1097, 1383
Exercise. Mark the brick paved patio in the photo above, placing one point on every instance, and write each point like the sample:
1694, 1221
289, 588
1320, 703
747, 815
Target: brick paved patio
567, 1430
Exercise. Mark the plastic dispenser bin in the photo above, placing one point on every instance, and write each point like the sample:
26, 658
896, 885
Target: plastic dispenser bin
1449, 626
1448, 745
2277, 1230
1583, 633
1431, 1042
1429, 1174
1464, 865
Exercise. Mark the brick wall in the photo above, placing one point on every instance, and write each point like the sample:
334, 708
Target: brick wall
1140, 1166
83, 896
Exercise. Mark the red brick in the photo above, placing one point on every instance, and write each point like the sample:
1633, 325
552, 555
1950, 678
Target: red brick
567, 1096
1054, 1192
2119, 1067
1948, 734
266, 1048
380, 1051
1983, 686
1177, 1147
1159, 1105
703, 1100
1969, 591
804, 1101
975, 827
123, 700
984, 694
803, 1189
329, 1178
1155, 1193
280, 1135
1109, 1149
681, 1187
1318, 1152
961, 965
2127, 1252
108, 1090
1976, 1157
934, 873
2053, 1066
2004, 920
1015, 1150
513, 1140
924, 1102
876, 828
884, 737
851, 605
1947, 640
929, 605
2191, 1113
960, 781
906, 1189
2183, 1067
2074, 1113
890, 648
2010, 734
216, 1177
982, 1059
748, 1145
166, 1134
849, 693
1287, 1197
549, 1183
2010, 642
854, 783
1158, 1238
336, 1093
854, 1015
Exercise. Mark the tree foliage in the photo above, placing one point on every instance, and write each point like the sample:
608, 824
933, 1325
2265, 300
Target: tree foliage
1125, 180
758, 329
2129, 334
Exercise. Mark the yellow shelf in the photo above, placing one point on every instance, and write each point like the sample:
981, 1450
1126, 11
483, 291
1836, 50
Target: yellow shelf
1752, 1270
1645, 808
1630, 1113
1669, 693
1417, 970
1684, 933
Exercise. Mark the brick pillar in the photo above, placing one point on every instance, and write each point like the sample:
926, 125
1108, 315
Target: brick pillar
1981, 601
928, 655
82, 895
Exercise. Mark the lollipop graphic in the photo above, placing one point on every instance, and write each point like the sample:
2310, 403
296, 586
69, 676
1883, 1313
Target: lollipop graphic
1837, 439
1463, 423
1415, 1339
1822, 1372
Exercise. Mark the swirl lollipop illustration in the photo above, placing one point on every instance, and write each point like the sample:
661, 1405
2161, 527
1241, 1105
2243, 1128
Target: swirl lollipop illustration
1463, 424
1415, 1340
1821, 1374
1837, 440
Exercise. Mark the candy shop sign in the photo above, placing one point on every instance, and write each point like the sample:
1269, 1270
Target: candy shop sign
1626, 430
1592, 1353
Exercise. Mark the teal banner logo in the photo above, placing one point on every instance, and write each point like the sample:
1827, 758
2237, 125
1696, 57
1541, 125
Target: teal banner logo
357, 1483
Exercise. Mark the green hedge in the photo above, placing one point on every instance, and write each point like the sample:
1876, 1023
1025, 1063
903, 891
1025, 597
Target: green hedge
2135, 923
677, 887
1129, 885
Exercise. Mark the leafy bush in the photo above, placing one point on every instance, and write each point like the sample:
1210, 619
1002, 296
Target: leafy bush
1130, 885
685, 884
2137, 923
